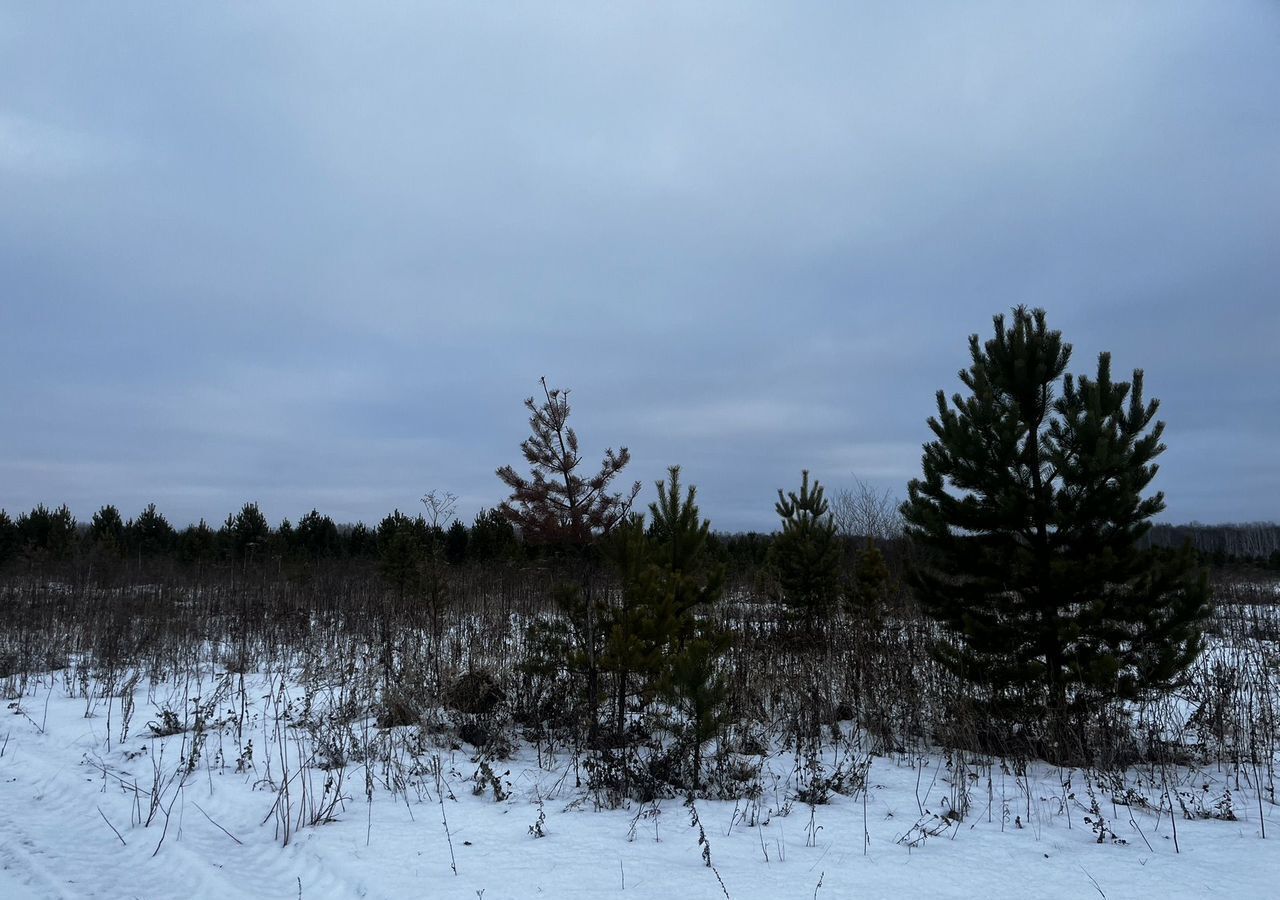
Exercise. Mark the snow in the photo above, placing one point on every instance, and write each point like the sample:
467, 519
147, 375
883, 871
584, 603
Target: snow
67, 784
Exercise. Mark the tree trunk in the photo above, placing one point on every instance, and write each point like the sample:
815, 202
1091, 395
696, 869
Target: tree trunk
593, 668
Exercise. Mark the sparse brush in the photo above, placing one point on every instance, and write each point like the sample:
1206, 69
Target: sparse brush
285, 681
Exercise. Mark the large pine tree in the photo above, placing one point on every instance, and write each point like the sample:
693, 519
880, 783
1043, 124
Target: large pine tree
1030, 520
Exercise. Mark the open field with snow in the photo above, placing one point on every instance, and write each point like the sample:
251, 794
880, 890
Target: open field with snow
95, 807
160, 767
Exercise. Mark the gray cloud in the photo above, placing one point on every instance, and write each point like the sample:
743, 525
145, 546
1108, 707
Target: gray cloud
316, 257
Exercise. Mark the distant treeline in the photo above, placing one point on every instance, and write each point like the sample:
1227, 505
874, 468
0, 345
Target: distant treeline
1255, 542
46, 535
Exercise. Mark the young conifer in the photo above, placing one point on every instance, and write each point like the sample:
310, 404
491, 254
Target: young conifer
559, 507
806, 555
667, 586
556, 504
1030, 519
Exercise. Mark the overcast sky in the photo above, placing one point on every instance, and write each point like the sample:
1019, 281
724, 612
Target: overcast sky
316, 255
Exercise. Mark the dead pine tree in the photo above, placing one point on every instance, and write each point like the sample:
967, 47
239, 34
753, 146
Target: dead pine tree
559, 507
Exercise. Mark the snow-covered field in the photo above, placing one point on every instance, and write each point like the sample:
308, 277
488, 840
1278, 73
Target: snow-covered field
75, 800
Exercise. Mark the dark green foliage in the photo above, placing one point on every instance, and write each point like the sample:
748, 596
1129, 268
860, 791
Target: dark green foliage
554, 649
284, 541
107, 531
741, 552
867, 594
660, 635
362, 542
666, 582
493, 537
666, 578
1030, 518
402, 547
198, 544
570, 643
683, 582
317, 537
636, 634
697, 686
150, 535
8, 539
806, 554
245, 535
806, 559
455, 543
47, 534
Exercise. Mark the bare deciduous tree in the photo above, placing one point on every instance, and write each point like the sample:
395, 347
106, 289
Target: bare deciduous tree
862, 511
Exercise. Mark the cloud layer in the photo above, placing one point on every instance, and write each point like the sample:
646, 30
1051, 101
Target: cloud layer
316, 256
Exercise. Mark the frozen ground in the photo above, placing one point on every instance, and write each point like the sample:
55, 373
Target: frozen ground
218, 832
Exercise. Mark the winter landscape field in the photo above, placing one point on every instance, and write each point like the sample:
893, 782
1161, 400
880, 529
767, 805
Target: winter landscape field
915, 532
148, 762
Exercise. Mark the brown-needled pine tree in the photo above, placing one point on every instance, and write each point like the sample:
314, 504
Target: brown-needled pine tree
557, 505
